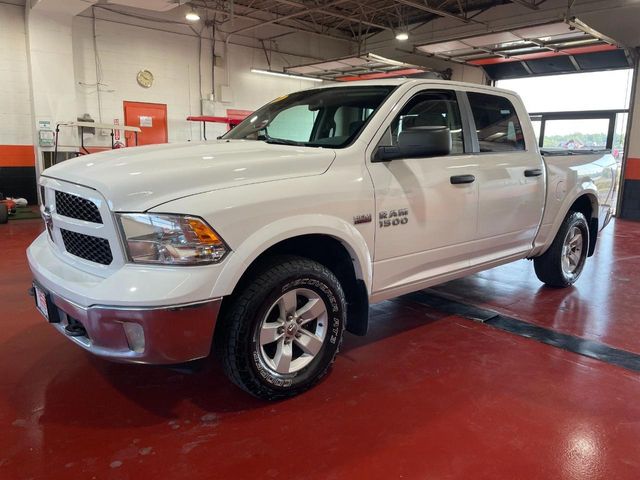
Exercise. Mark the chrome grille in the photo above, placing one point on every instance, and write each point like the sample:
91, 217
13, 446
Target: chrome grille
73, 206
94, 249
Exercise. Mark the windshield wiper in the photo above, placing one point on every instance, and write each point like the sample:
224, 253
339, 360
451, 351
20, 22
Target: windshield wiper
264, 136
278, 141
283, 141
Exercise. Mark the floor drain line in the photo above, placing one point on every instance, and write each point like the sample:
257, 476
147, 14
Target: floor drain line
571, 343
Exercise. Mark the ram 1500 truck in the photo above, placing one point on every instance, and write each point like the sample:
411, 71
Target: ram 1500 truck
265, 245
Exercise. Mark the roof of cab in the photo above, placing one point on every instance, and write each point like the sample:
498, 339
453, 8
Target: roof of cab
416, 81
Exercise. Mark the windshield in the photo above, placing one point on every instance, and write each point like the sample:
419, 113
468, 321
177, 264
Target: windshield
323, 117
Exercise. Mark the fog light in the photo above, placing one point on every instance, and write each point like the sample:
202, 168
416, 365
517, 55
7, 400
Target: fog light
135, 336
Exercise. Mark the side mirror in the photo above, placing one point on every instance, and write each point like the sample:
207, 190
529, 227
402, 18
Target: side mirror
417, 142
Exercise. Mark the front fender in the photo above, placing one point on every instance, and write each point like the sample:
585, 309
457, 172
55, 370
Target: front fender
250, 249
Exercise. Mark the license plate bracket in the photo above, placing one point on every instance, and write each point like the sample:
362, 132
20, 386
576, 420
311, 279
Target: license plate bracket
45, 305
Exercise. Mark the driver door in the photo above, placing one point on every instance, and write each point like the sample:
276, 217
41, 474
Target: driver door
425, 223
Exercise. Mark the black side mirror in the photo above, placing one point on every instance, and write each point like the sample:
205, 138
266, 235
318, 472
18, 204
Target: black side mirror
417, 142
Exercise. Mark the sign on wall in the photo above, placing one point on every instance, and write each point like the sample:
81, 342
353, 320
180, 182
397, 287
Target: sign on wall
146, 121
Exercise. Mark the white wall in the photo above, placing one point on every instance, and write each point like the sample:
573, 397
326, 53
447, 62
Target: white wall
50, 60
252, 90
15, 101
124, 50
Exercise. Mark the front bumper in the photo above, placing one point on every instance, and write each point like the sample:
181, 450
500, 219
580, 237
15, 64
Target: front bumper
135, 314
162, 335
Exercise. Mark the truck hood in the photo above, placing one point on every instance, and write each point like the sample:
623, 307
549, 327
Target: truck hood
140, 178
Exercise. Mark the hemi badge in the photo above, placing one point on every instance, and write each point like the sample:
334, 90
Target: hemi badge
364, 218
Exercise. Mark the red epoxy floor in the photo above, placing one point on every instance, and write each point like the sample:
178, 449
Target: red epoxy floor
424, 396
602, 306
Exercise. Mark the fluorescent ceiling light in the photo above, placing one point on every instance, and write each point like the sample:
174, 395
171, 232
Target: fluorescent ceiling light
402, 36
192, 15
280, 74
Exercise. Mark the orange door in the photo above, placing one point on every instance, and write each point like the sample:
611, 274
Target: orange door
152, 120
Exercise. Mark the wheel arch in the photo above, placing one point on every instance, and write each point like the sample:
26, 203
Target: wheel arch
583, 198
587, 204
332, 242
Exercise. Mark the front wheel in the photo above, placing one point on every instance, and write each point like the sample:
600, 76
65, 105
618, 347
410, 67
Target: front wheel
282, 331
562, 264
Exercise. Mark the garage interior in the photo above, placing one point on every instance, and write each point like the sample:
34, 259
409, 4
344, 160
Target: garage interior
489, 376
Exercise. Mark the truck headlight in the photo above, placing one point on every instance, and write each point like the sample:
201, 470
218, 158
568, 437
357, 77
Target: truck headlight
170, 239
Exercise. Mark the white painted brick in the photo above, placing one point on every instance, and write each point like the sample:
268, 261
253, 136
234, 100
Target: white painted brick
124, 50
15, 103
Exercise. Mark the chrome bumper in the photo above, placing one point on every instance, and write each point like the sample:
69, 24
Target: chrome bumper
156, 335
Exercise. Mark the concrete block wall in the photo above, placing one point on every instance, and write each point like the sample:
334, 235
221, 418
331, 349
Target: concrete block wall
124, 50
15, 95
17, 177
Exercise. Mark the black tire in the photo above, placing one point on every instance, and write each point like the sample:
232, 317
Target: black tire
237, 342
4, 213
549, 266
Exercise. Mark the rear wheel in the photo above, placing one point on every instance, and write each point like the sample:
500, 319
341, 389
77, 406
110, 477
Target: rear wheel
4, 213
283, 330
563, 262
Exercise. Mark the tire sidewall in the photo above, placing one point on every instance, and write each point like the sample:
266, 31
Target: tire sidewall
576, 219
336, 311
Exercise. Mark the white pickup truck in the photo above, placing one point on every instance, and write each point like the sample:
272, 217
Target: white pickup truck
263, 246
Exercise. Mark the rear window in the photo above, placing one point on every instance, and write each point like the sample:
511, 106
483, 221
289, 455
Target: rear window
497, 124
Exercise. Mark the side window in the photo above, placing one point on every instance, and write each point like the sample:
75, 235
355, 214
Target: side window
497, 123
348, 120
339, 124
434, 108
294, 123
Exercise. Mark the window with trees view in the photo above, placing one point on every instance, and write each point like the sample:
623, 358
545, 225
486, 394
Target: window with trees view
497, 123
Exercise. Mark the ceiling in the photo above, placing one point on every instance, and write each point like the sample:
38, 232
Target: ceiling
358, 67
551, 48
514, 45
621, 24
537, 49
347, 19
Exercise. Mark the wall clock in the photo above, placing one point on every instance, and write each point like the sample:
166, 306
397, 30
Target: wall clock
145, 78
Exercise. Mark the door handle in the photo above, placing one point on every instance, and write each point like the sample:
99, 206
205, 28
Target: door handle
534, 172
460, 179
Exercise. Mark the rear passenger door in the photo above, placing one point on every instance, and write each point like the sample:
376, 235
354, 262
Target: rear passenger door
510, 178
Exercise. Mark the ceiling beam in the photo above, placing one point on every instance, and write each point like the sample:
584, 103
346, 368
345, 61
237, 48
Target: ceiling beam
524, 3
286, 17
331, 13
294, 28
435, 11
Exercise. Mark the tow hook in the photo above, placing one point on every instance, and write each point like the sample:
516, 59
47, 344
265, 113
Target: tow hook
75, 328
